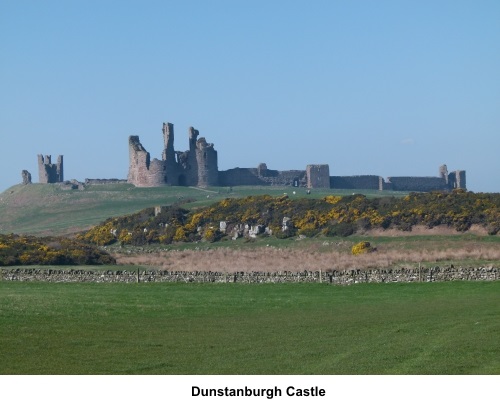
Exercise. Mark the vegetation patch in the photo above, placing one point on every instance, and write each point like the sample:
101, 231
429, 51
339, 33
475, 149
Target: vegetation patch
330, 216
46, 209
26, 250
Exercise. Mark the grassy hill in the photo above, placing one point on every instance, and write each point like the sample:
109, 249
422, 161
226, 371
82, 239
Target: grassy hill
46, 209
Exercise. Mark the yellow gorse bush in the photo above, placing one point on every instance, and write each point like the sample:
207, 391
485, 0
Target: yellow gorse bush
361, 248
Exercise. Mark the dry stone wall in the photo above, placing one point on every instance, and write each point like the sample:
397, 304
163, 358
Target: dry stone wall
339, 277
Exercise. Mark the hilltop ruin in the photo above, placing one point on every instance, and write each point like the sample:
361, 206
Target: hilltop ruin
198, 166
49, 172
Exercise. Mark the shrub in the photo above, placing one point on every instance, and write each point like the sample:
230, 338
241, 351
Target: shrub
212, 235
180, 235
343, 229
361, 248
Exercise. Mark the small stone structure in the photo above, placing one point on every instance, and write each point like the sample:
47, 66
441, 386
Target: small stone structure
26, 175
49, 172
72, 185
94, 182
198, 166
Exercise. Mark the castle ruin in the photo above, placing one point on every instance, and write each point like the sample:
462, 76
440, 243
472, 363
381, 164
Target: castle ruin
194, 167
49, 172
198, 166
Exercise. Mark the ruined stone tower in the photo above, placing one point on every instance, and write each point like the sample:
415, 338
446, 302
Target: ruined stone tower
194, 167
26, 176
456, 179
143, 171
206, 158
49, 172
443, 173
318, 176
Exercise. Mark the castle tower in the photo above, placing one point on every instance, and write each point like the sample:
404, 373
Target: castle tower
191, 169
443, 173
460, 179
206, 156
168, 155
457, 180
59, 169
318, 176
168, 140
49, 172
193, 137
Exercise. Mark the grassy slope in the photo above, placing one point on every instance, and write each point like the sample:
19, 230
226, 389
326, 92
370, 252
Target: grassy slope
442, 328
46, 209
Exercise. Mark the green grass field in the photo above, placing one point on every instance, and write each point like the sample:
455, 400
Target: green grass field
435, 328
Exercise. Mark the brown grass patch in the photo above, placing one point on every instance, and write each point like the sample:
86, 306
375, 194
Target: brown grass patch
424, 230
312, 258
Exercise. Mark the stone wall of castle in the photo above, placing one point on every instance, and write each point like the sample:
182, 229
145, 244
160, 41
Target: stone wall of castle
240, 177
198, 166
262, 176
98, 182
369, 182
422, 184
49, 172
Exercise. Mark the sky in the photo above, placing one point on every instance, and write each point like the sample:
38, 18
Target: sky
391, 88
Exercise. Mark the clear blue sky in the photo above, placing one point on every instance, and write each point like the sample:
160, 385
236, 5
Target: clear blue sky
390, 88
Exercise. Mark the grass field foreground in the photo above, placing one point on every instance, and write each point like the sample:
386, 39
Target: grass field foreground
428, 328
